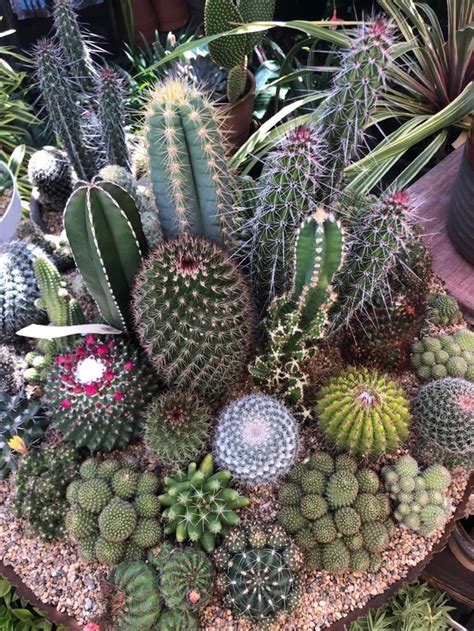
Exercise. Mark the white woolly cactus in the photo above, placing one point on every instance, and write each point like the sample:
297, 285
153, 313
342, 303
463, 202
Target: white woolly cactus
256, 439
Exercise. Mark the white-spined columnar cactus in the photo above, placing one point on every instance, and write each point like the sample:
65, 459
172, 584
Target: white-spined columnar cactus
256, 439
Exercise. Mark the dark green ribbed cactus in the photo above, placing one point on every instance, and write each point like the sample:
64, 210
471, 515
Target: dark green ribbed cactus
232, 51
50, 172
192, 314
103, 226
111, 116
189, 173
444, 310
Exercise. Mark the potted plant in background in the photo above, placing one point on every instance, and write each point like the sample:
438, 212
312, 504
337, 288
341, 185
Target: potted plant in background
10, 204
171, 15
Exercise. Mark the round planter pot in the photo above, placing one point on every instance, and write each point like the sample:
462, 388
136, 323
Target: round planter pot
11, 217
171, 14
146, 22
239, 116
461, 209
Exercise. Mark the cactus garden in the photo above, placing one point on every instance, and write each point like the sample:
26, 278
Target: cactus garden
234, 395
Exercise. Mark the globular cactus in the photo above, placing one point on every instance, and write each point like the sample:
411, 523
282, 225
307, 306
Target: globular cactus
177, 427
444, 310
256, 439
258, 572
200, 504
10, 377
111, 116
18, 288
363, 412
232, 51
40, 485
50, 172
56, 247
132, 597
177, 620
444, 415
114, 511
103, 226
192, 314
336, 513
189, 174
420, 496
95, 392
436, 357
22, 425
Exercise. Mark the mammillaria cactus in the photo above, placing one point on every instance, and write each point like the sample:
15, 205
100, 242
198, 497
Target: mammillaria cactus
177, 426
444, 310
189, 173
421, 499
192, 314
257, 570
40, 485
363, 412
200, 504
50, 172
114, 511
336, 513
256, 439
111, 116
444, 356
96, 393
22, 424
444, 415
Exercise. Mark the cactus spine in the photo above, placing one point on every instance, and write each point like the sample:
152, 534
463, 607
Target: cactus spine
104, 229
111, 116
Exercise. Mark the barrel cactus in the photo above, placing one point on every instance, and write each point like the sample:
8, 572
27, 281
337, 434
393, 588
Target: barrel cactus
256, 439
363, 412
192, 314
436, 357
95, 393
50, 172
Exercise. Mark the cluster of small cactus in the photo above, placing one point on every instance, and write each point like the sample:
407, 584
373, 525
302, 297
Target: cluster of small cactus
444, 415
114, 511
420, 496
444, 310
200, 504
258, 572
336, 513
256, 439
436, 357
22, 425
40, 485
363, 412
95, 392
50, 173
177, 426
55, 246
192, 314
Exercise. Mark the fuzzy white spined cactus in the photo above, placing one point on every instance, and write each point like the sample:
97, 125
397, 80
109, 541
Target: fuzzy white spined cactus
256, 439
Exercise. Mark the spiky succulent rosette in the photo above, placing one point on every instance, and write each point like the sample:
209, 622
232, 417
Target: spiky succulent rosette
95, 393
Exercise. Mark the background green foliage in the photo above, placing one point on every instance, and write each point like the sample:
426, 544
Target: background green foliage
17, 614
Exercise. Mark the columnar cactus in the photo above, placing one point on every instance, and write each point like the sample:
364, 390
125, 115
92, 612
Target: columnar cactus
103, 226
95, 393
444, 415
189, 174
436, 357
363, 412
192, 314
232, 51
50, 172
111, 116
256, 439
18, 288
200, 504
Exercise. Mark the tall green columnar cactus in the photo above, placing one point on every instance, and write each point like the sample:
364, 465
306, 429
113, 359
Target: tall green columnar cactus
189, 172
300, 316
111, 116
65, 112
103, 227
232, 51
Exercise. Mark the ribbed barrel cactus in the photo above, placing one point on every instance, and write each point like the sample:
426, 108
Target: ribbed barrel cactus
256, 439
436, 357
192, 314
50, 172
363, 412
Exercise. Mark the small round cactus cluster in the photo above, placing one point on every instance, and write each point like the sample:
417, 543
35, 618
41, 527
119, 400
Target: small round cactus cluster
114, 511
257, 571
444, 356
256, 439
177, 426
444, 415
444, 310
363, 412
420, 497
336, 513
96, 392
40, 489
